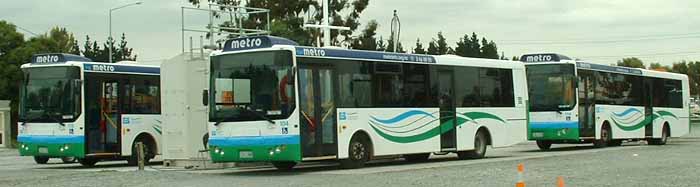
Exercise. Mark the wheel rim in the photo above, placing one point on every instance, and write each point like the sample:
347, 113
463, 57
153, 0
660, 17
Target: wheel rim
358, 151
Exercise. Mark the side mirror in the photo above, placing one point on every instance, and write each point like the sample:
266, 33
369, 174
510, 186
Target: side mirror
205, 97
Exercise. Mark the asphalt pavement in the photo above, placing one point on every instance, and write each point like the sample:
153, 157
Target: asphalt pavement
633, 164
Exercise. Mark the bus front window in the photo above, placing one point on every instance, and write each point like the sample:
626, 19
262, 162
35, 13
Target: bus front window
551, 87
252, 86
50, 95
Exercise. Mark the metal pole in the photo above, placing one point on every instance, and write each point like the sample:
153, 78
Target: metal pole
110, 36
211, 26
141, 155
327, 29
182, 16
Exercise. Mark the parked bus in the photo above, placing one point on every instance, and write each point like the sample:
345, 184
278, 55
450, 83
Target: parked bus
73, 107
272, 100
578, 102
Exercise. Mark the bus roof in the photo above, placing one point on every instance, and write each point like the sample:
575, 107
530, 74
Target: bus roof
551, 58
262, 42
59, 59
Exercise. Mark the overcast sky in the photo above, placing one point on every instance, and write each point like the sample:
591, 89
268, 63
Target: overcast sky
601, 31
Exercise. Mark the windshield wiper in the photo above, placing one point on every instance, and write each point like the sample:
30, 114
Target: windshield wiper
60, 122
258, 114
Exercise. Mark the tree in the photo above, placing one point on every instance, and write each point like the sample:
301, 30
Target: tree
433, 48
489, 49
463, 47
92, 50
632, 62
515, 58
390, 46
658, 67
419, 48
367, 40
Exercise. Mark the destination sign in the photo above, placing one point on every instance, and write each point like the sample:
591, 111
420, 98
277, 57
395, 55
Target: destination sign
52, 58
546, 57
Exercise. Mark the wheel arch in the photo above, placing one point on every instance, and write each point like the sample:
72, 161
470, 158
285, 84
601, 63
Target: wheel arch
489, 140
364, 134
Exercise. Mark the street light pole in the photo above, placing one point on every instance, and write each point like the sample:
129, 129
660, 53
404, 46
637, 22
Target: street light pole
110, 40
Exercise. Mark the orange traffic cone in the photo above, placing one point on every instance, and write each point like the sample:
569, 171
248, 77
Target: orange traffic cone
521, 170
560, 181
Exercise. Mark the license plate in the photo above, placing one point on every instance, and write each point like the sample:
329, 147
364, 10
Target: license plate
245, 154
538, 134
43, 150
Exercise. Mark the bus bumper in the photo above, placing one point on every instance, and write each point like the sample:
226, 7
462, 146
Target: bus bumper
553, 131
52, 146
255, 149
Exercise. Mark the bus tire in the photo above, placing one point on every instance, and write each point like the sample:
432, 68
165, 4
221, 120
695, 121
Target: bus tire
544, 145
133, 160
663, 139
68, 160
87, 162
41, 159
480, 143
284, 166
420, 157
205, 141
605, 137
358, 152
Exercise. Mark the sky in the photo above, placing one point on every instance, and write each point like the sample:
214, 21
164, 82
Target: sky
599, 31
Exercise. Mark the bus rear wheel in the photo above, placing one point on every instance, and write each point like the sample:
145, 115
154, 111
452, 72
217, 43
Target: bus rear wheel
662, 140
284, 166
544, 144
41, 159
479, 151
605, 137
358, 153
88, 162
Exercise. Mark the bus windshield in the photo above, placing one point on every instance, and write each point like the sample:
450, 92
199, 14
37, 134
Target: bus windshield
50, 95
551, 87
251, 86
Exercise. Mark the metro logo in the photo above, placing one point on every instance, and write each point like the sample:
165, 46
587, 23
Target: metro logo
314, 52
246, 43
539, 58
47, 59
100, 67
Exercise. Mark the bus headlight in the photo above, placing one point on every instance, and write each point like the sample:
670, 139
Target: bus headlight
216, 150
65, 147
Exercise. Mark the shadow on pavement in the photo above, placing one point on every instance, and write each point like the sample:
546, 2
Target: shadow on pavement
332, 165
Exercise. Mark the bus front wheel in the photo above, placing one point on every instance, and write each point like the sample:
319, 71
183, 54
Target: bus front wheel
544, 144
41, 159
605, 137
662, 140
358, 153
68, 160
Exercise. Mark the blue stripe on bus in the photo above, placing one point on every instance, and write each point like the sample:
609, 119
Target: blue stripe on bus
51, 139
254, 140
554, 125
112, 68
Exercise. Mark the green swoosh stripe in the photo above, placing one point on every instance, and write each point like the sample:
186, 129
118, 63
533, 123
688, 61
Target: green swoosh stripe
157, 130
483, 115
666, 113
636, 126
443, 128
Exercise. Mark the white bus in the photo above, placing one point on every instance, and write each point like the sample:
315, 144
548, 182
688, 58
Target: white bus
577, 102
274, 101
73, 107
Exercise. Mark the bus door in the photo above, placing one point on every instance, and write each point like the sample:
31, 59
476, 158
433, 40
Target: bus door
648, 112
448, 137
586, 100
104, 120
317, 107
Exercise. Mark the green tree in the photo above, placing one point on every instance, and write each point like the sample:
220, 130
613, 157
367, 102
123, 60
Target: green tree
657, 66
515, 58
367, 39
433, 48
489, 49
419, 48
390, 46
120, 52
632, 62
